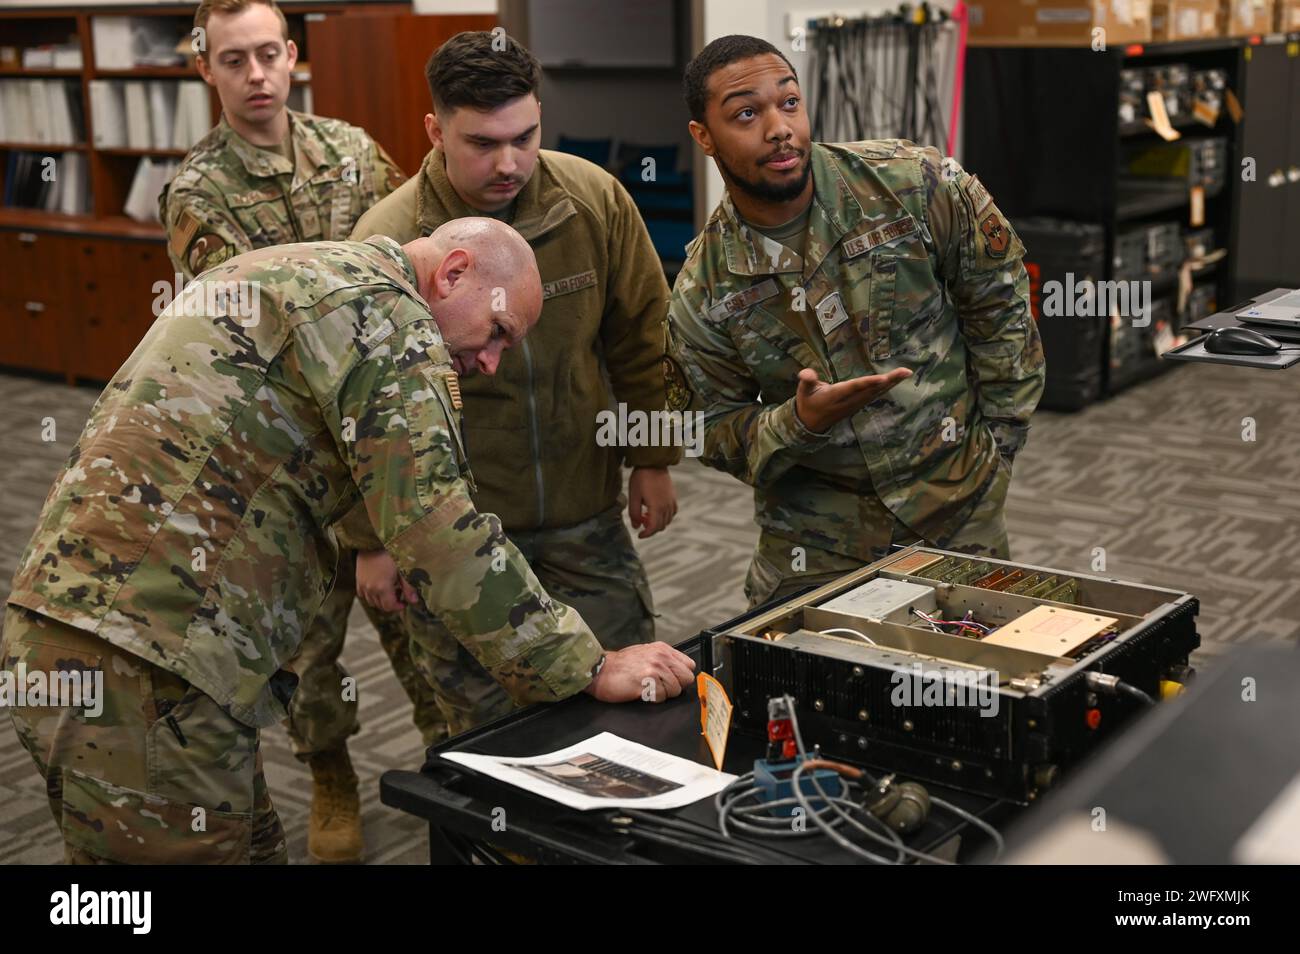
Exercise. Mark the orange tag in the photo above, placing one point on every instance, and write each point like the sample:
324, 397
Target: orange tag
1234, 104
1159, 120
1205, 113
715, 715
1198, 206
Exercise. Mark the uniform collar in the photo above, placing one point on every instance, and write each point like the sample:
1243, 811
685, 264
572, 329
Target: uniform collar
542, 204
405, 270
308, 157
835, 212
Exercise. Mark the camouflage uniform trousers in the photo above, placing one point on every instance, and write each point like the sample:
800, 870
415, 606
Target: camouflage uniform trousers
322, 713
592, 566
150, 772
772, 577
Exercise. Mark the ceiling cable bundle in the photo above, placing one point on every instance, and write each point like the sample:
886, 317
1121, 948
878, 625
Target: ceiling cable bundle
879, 77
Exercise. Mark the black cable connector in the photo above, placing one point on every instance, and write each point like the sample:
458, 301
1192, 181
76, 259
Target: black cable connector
1113, 685
1135, 692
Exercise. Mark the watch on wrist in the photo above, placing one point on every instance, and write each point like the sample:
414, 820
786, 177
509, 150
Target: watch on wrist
600, 664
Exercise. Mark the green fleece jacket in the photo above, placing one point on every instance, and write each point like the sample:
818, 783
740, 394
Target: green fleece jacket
530, 429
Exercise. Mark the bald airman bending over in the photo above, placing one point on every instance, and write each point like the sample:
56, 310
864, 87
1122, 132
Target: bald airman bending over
188, 543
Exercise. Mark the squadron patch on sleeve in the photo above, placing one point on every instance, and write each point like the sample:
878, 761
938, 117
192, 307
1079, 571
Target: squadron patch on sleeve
679, 394
993, 227
208, 251
994, 230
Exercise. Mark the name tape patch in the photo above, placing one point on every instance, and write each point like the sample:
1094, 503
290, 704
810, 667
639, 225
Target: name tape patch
861, 244
745, 299
979, 196
564, 286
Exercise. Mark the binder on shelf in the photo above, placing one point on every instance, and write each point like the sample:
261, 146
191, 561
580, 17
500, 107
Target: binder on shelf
108, 113
74, 185
52, 183
52, 56
52, 191
62, 127
19, 195
38, 57
11, 178
150, 177
162, 112
67, 56
40, 112
51, 187
8, 113
192, 120
138, 133
111, 41
123, 43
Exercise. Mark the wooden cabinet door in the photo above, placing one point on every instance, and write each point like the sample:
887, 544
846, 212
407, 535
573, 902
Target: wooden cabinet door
32, 337
115, 302
33, 300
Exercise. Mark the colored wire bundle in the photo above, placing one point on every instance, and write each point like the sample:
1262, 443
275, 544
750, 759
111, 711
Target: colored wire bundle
964, 624
834, 817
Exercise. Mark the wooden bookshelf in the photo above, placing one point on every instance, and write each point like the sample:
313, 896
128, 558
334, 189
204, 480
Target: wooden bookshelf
148, 72
45, 146
157, 153
117, 226
76, 292
19, 72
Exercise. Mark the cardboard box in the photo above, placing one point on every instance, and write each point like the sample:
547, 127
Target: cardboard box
1058, 22
1245, 17
1184, 19
1288, 16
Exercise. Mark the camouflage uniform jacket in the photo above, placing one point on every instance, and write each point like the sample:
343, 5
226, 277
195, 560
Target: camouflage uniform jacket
230, 197
192, 523
531, 428
908, 264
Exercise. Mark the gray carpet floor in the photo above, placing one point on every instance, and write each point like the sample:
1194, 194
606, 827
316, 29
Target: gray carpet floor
1161, 479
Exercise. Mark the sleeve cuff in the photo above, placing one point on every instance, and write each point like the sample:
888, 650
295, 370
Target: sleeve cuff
556, 666
652, 456
1009, 436
354, 531
793, 432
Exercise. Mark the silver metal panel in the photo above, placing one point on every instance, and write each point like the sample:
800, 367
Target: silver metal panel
885, 598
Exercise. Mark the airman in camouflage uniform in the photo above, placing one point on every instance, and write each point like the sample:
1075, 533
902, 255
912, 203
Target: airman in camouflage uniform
906, 263
230, 197
187, 545
265, 176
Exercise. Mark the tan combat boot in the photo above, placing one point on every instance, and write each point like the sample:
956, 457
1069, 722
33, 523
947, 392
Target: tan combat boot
334, 834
